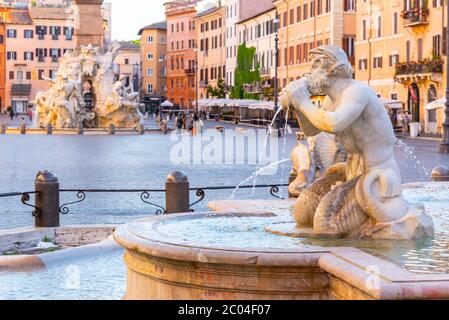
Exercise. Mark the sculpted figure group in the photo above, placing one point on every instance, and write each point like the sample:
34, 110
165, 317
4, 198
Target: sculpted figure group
85, 93
362, 197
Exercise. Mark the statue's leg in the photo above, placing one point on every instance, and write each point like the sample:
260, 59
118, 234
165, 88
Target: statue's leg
338, 213
309, 200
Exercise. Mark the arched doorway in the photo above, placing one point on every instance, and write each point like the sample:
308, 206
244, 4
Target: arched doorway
414, 102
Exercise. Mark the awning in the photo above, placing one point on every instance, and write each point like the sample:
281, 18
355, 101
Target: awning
167, 104
21, 89
392, 104
437, 104
263, 105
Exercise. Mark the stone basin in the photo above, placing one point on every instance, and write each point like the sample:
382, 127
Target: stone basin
229, 255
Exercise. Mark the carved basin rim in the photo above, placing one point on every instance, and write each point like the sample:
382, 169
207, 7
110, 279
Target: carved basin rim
141, 237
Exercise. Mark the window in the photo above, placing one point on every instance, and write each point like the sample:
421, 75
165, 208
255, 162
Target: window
394, 60
126, 61
11, 55
150, 72
436, 46
150, 56
55, 32
305, 12
407, 50
11, 33
28, 34
28, 75
150, 39
28, 56
363, 64
68, 32
40, 74
379, 26
41, 31
11, 75
349, 5
312, 9
377, 62
150, 88
420, 49
292, 16
20, 75
395, 23
53, 73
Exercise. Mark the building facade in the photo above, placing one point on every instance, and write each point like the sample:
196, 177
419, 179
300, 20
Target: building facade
153, 51
258, 31
305, 25
181, 55
236, 11
128, 63
36, 36
401, 53
211, 51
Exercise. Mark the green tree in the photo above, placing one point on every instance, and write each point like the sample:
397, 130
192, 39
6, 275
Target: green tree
218, 91
245, 73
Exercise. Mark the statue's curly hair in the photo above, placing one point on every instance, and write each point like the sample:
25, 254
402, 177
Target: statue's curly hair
334, 60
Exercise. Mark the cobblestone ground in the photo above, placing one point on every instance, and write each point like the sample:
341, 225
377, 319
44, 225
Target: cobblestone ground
140, 162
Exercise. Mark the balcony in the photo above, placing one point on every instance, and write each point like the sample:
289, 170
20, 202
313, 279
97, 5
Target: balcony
189, 71
416, 17
419, 71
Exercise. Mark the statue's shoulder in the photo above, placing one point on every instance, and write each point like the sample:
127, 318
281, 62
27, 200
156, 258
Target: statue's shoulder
358, 89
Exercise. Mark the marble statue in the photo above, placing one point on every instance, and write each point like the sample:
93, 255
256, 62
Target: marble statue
85, 93
362, 199
313, 158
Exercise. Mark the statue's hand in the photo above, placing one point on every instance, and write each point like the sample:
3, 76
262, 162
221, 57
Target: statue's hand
299, 91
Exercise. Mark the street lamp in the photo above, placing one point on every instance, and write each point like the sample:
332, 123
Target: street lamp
276, 24
444, 147
196, 82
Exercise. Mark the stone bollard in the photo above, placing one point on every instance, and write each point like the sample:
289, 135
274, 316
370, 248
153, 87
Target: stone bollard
111, 129
49, 129
177, 194
47, 200
440, 174
3, 128
23, 128
140, 128
80, 129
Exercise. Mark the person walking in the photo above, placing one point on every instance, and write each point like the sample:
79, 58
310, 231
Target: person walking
11, 114
178, 121
30, 114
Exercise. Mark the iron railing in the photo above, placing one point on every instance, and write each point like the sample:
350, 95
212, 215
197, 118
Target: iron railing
25, 197
144, 195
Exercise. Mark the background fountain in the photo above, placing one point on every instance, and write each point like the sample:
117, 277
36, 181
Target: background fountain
86, 91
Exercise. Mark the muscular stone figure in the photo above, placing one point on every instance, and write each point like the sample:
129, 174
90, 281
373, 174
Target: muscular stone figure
365, 202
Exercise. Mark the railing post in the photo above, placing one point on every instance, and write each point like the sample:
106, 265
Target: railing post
177, 194
47, 200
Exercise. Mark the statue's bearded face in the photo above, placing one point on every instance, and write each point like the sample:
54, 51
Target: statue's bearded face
319, 80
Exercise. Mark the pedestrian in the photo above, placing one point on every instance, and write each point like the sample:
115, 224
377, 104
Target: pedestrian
11, 114
30, 114
184, 121
191, 125
179, 124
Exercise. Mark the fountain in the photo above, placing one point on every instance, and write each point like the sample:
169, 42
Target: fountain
86, 92
308, 252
